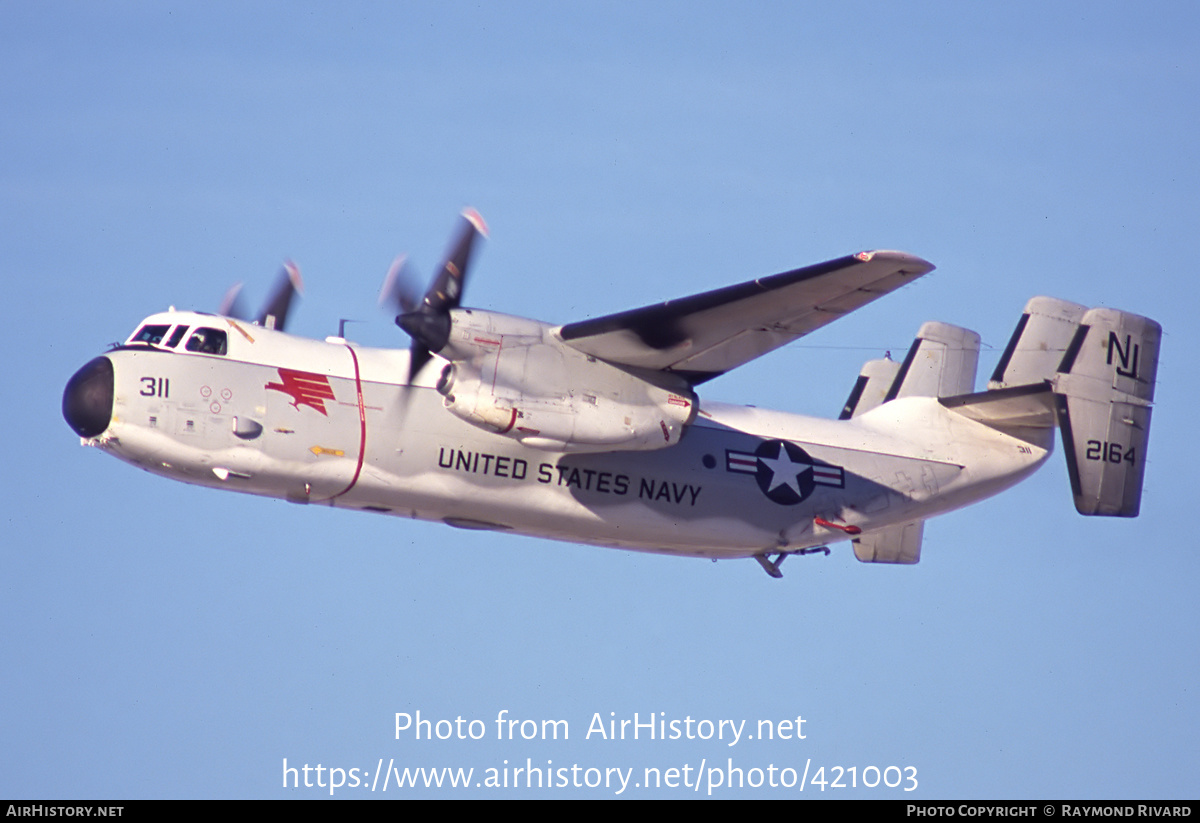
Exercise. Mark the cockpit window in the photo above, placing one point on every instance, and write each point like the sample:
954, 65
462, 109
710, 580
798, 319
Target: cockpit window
208, 341
150, 334
177, 335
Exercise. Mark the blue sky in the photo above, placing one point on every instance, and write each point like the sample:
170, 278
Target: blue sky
167, 641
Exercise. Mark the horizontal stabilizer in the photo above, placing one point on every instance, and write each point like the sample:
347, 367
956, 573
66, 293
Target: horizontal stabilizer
941, 362
871, 387
1025, 407
895, 544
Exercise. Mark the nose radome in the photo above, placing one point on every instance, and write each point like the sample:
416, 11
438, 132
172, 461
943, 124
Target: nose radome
88, 399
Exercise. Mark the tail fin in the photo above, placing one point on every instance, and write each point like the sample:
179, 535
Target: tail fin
1035, 351
1103, 392
1100, 366
941, 362
900, 543
871, 387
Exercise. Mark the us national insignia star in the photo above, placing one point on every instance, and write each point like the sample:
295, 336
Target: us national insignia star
785, 473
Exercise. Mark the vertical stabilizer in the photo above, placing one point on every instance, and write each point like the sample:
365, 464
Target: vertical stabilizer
871, 387
895, 544
941, 363
1103, 393
1092, 372
1036, 349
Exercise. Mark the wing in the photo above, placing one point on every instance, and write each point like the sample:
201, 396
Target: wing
705, 335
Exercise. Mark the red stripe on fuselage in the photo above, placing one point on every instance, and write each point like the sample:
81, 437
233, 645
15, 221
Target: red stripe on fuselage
362, 425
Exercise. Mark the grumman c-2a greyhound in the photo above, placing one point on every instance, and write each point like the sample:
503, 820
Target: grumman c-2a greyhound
593, 431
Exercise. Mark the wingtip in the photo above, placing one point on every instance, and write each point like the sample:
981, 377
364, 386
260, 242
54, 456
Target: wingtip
912, 263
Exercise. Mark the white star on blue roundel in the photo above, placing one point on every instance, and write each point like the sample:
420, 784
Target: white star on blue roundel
785, 473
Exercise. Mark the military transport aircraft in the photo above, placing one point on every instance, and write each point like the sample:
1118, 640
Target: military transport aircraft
594, 432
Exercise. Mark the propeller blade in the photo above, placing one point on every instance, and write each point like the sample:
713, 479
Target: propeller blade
427, 319
428, 322
447, 288
232, 304
274, 313
400, 293
419, 357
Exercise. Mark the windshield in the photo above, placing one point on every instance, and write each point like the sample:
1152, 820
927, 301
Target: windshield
208, 341
150, 333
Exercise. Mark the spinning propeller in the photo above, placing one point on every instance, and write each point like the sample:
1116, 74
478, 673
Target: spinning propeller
426, 319
274, 312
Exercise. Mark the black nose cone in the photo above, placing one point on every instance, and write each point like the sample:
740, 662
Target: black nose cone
88, 398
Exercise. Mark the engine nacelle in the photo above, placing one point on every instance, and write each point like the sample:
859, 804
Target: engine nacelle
512, 376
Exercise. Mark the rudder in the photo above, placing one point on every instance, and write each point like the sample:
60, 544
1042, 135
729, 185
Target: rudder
1103, 392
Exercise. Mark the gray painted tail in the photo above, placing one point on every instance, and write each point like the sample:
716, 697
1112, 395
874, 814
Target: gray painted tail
1100, 365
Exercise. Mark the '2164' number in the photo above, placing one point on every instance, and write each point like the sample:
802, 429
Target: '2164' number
1109, 452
